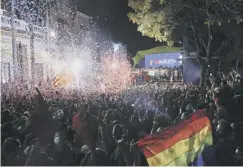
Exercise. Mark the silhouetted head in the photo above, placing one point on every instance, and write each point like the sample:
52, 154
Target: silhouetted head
223, 129
117, 132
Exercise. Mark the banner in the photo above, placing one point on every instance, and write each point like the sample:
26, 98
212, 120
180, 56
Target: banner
168, 60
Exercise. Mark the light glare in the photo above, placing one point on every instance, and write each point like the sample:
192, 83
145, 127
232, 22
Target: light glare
53, 34
113, 65
76, 66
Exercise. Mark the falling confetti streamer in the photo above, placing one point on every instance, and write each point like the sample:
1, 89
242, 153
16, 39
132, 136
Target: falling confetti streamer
95, 69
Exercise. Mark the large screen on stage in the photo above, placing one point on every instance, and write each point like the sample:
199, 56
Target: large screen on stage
169, 60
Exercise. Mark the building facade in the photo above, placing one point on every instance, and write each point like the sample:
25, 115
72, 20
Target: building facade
42, 45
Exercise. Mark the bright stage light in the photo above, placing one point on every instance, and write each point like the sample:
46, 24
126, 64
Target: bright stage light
116, 47
113, 65
76, 66
180, 57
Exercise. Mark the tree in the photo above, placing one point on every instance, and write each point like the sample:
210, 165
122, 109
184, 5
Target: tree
170, 20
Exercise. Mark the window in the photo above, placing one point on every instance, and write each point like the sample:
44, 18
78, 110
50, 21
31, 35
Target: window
22, 61
61, 23
83, 27
38, 72
5, 72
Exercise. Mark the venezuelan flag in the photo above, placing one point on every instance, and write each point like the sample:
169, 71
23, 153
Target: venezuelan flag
62, 79
180, 144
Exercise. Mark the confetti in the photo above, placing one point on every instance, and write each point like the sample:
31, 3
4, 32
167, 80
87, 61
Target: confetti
95, 69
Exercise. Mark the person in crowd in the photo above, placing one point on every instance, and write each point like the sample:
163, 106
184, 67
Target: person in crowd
70, 129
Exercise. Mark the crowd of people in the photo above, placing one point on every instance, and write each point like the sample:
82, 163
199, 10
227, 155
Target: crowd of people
69, 129
162, 74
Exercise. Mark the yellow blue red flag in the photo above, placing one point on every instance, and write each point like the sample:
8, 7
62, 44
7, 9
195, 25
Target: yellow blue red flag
180, 144
63, 79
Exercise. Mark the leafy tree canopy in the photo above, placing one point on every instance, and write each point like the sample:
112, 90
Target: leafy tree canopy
161, 19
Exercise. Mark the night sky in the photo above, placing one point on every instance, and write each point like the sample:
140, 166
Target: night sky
112, 16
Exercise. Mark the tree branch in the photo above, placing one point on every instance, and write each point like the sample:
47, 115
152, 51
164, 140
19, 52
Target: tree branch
209, 45
203, 42
196, 39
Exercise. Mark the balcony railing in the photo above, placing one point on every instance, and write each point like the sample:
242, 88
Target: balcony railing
21, 25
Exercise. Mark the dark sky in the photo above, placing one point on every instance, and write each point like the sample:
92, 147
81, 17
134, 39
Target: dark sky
113, 16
